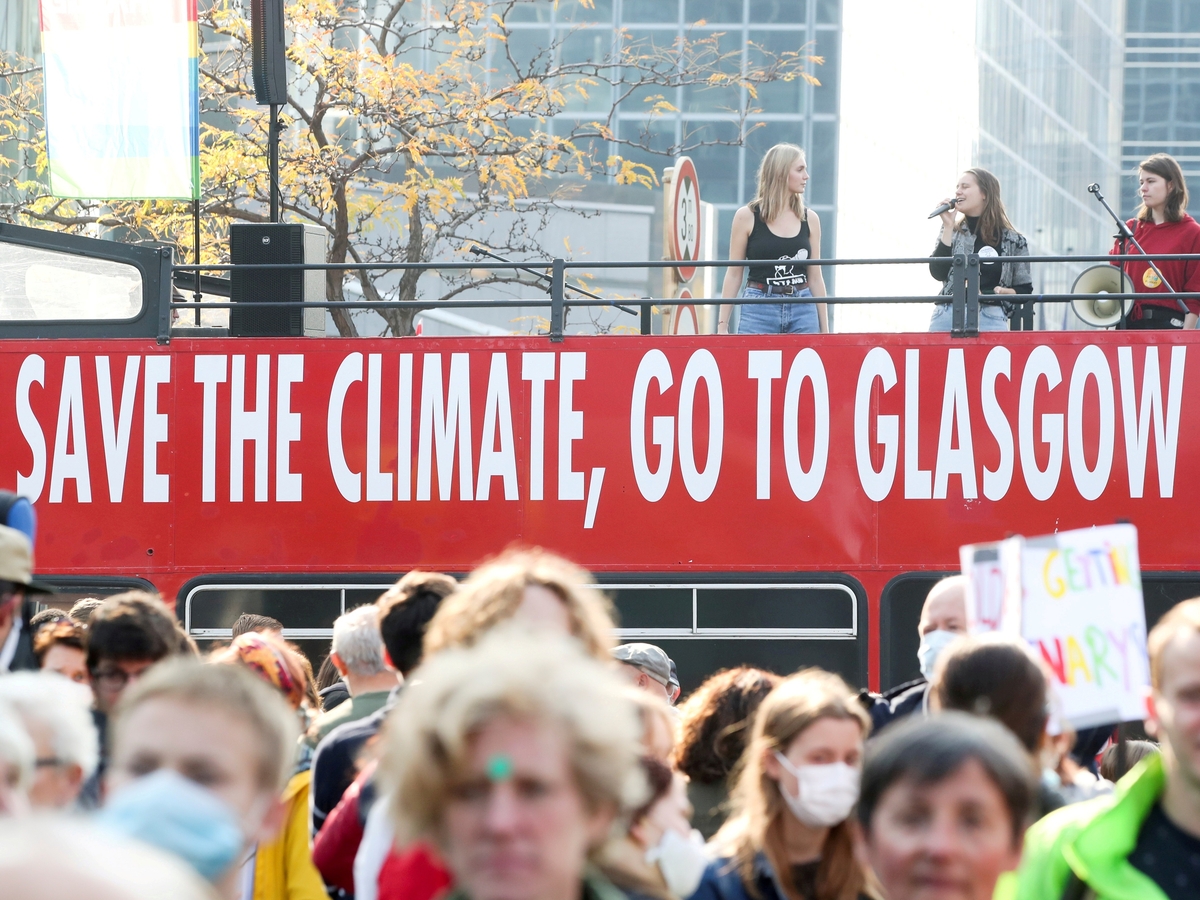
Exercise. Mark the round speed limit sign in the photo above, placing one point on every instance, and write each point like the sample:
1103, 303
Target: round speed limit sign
686, 215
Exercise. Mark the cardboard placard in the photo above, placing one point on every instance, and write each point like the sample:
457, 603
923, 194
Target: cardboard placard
1076, 597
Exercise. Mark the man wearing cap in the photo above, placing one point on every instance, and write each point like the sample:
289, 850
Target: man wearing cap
16, 609
673, 686
648, 667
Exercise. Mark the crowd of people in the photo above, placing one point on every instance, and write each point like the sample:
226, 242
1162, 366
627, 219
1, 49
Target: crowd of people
488, 739
777, 225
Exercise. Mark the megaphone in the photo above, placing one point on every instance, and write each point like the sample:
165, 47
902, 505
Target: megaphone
1102, 311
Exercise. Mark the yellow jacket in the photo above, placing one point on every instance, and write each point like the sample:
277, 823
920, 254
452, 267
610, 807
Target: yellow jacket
283, 868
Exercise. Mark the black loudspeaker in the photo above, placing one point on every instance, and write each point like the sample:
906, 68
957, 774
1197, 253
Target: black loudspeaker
276, 243
267, 48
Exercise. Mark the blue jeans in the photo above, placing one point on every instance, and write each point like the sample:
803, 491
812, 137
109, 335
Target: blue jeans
778, 318
991, 318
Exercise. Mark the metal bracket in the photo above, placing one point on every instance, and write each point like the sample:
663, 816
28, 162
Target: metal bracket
972, 323
647, 318
958, 284
558, 281
165, 289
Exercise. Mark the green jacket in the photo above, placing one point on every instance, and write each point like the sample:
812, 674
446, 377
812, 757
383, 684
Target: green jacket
1093, 840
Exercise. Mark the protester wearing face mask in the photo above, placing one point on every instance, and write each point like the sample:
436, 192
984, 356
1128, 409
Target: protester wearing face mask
661, 856
788, 837
200, 757
943, 619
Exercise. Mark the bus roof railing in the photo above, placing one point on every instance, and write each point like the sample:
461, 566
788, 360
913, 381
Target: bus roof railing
964, 277
162, 282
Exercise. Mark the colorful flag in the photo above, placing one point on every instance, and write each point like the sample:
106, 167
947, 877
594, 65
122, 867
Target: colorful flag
122, 98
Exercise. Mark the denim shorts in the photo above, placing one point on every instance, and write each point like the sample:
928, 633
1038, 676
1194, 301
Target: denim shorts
778, 318
991, 318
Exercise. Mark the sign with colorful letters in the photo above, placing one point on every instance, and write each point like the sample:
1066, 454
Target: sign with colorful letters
1076, 597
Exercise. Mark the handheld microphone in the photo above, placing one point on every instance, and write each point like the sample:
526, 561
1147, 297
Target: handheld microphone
943, 208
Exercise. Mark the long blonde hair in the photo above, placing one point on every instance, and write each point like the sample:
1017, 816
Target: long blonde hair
756, 825
773, 194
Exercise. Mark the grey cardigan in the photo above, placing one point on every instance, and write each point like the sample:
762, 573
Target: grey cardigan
1012, 244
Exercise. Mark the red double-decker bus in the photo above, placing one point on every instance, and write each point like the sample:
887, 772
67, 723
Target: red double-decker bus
769, 500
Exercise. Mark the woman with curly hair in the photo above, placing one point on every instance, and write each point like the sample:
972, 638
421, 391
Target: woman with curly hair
714, 727
789, 836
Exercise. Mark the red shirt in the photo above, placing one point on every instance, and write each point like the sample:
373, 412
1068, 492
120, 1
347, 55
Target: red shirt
1183, 275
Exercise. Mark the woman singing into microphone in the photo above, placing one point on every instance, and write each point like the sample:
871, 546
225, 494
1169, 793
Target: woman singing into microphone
981, 226
776, 225
1163, 226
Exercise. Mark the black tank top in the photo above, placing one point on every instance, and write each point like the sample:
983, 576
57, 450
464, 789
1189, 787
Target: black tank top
765, 244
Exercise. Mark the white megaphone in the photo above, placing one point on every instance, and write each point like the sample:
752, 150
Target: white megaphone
1100, 310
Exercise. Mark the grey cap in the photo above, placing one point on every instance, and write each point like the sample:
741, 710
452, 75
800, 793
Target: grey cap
647, 658
16, 561
674, 684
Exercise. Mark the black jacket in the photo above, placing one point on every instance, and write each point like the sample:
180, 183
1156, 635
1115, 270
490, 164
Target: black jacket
894, 705
24, 660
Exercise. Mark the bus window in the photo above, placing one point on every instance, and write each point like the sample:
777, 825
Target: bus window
307, 611
44, 285
783, 627
71, 588
899, 612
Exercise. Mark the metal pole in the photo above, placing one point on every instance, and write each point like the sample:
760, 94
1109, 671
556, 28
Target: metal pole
647, 318
1124, 229
958, 285
273, 160
972, 329
558, 278
196, 246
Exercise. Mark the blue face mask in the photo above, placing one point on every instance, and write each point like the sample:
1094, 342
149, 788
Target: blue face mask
931, 648
170, 812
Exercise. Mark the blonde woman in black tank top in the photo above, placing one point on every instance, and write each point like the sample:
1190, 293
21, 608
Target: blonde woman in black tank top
777, 225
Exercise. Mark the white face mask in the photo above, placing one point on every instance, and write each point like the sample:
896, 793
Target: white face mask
681, 860
827, 792
932, 644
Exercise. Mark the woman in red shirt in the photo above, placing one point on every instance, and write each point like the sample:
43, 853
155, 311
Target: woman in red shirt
1163, 226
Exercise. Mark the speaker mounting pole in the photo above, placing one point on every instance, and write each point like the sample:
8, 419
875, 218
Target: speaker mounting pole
273, 160
268, 68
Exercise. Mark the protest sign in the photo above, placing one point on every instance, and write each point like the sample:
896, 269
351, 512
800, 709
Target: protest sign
1076, 597
990, 599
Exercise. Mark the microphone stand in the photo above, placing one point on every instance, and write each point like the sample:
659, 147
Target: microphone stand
1123, 235
542, 276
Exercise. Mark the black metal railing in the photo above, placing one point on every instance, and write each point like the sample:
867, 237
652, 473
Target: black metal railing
161, 281
964, 298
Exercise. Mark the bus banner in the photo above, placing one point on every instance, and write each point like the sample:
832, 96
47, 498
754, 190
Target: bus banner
633, 453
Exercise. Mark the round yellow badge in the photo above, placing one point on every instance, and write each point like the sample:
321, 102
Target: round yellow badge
1150, 279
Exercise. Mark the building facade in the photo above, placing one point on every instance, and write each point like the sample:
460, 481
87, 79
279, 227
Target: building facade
1049, 125
1162, 89
794, 111
705, 124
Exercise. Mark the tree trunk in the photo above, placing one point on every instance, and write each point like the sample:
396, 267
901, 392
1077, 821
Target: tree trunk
337, 253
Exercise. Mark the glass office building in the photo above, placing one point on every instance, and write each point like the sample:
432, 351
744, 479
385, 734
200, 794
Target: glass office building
1162, 89
1049, 124
795, 111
